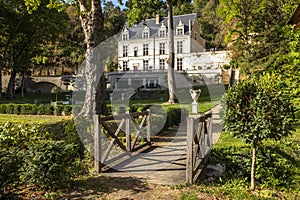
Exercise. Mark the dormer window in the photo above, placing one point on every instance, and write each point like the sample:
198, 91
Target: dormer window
162, 33
180, 28
146, 32
125, 35
162, 30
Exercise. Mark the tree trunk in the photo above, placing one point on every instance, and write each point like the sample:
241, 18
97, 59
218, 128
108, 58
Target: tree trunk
171, 83
92, 24
0, 83
11, 85
23, 86
253, 168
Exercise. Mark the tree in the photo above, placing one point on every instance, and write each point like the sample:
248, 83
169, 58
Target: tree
171, 59
114, 19
181, 7
256, 31
256, 110
25, 33
55, 90
211, 27
139, 10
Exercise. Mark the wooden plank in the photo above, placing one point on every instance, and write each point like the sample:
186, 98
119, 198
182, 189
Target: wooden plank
136, 114
97, 144
189, 153
112, 142
113, 136
139, 131
148, 126
128, 134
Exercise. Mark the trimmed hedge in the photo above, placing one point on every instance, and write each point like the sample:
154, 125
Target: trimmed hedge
34, 109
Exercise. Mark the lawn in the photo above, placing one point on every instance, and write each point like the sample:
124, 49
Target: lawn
48, 119
278, 171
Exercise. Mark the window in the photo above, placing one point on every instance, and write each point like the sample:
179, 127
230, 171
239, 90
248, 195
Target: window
125, 65
162, 30
179, 46
162, 33
125, 51
179, 31
179, 64
162, 48
161, 64
125, 36
135, 51
180, 28
146, 32
145, 65
145, 49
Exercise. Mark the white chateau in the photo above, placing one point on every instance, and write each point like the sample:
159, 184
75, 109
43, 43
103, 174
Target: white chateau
143, 49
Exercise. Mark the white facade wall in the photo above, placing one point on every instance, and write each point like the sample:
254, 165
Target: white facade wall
154, 56
193, 57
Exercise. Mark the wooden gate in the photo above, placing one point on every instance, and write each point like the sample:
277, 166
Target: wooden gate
199, 143
126, 123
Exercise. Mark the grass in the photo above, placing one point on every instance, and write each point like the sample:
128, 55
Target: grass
277, 178
31, 118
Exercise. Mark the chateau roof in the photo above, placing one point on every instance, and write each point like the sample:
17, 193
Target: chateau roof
135, 31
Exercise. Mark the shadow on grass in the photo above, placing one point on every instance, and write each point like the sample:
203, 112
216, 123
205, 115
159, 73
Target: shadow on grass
97, 186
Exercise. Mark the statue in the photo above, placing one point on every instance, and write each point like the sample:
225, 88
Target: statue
195, 94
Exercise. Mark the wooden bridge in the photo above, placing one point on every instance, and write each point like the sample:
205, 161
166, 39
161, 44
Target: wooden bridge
174, 157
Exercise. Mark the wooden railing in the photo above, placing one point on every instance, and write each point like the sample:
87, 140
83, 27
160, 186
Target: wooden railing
126, 123
199, 143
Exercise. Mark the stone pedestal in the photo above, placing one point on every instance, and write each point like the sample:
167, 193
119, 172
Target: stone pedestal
195, 107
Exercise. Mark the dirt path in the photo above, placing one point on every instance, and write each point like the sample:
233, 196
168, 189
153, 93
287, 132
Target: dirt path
127, 188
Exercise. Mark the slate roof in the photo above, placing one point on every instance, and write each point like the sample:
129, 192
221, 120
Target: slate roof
135, 31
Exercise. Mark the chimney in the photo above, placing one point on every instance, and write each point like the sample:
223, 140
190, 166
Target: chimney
157, 19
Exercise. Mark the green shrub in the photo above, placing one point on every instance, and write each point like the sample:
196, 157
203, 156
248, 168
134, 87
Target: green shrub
67, 110
50, 164
173, 116
258, 109
49, 110
9, 109
41, 109
2, 108
28, 109
10, 163
25, 109
50, 159
58, 110
16, 109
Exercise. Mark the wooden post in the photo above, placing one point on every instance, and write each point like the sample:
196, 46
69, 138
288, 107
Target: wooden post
148, 126
210, 122
127, 130
189, 153
97, 144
